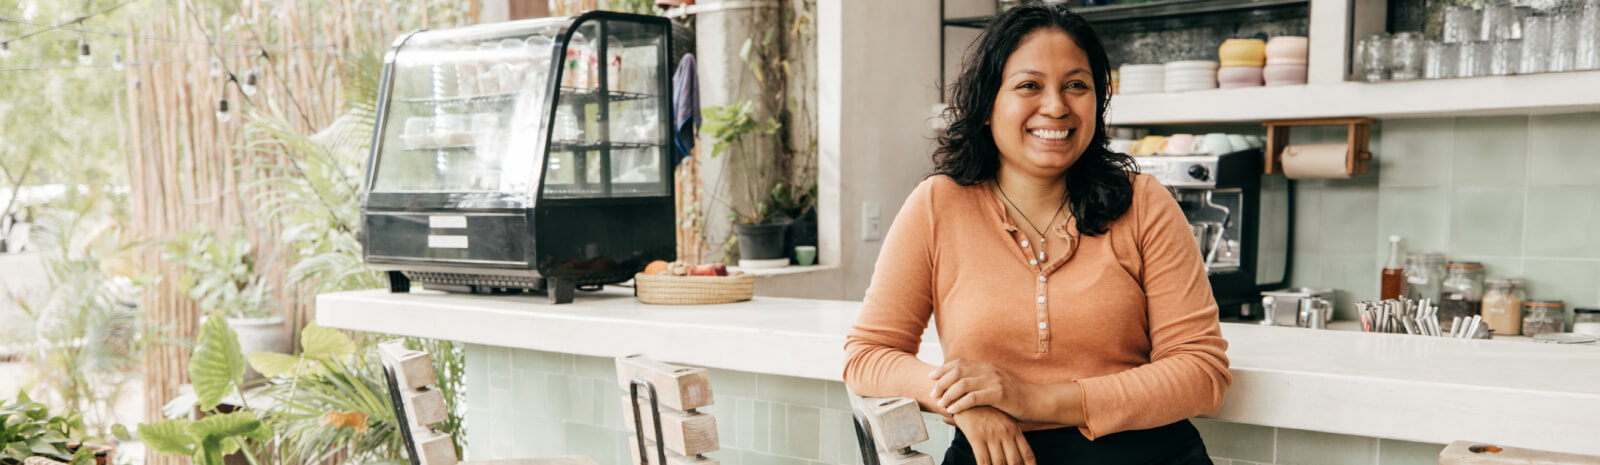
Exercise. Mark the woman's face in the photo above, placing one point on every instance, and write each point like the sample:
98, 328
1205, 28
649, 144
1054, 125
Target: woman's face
1043, 116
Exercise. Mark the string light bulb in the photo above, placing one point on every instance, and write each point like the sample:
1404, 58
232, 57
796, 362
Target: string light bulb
222, 111
116, 60
5, 49
249, 87
216, 67
84, 58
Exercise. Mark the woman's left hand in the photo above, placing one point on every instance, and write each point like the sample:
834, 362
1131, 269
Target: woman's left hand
963, 384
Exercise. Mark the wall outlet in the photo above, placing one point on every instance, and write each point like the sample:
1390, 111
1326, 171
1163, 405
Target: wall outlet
871, 221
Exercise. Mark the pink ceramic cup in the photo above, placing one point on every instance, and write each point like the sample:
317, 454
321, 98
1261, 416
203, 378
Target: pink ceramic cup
1286, 50
1177, 144
1238, 76
1284, 75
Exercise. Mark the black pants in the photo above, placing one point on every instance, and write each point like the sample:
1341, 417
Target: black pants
1178, 443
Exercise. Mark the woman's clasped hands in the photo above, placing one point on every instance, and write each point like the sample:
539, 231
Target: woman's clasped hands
985, 403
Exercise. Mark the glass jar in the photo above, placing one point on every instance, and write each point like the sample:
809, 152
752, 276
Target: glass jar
1586, 321
1502, 305
1461, 293
1543, 316
1424, 273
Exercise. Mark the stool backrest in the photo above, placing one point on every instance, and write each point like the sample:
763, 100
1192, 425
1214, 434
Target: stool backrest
886, 428
658, 405
417, 404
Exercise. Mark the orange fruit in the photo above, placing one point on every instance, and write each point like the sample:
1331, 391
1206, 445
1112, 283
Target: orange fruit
656, 267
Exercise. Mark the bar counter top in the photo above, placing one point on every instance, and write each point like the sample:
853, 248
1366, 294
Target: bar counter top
1513, 393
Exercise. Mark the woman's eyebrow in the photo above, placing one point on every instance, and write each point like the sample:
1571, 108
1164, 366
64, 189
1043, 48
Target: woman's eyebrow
1037, 73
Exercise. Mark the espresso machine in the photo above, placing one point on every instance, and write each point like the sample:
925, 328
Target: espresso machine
1242, 220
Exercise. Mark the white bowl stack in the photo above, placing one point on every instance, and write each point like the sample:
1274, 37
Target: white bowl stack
1185, 76
1141, 79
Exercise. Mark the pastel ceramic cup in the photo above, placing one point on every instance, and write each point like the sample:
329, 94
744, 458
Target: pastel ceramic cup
1240, 142
1239, 76
1286, 50
1243, 52
805, 255
1149, 145
1177, 144
1256, 141
1284, 75
1121, 145
1215, 143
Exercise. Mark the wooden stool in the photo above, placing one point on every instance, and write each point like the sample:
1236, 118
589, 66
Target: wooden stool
418, 406
659, 407
886, 428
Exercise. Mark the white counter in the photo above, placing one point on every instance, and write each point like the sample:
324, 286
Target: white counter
1522, 394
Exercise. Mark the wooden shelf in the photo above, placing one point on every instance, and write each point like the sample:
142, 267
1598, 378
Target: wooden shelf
1143, 11
1534, 94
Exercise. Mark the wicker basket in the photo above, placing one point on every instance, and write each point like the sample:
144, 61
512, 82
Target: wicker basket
693, 290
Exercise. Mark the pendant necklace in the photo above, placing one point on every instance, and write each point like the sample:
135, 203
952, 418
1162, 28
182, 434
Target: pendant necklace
1025, 219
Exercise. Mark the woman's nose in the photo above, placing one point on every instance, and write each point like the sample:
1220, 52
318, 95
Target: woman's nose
1054, 105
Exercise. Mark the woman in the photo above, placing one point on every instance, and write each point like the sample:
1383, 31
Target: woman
1071, 302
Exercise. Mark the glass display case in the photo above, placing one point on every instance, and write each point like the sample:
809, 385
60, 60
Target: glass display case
527, 155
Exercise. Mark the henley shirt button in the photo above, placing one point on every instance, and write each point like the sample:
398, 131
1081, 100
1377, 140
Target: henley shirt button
1024, 243
1041, 325
1041, 299
1033, 262
1041, 279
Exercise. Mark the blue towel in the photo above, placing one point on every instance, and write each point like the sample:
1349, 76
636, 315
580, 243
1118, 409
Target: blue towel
685, 106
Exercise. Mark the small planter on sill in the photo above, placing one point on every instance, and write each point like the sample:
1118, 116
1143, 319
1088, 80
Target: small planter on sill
762, 244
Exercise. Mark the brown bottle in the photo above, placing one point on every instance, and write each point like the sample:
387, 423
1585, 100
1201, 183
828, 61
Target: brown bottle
1394, 276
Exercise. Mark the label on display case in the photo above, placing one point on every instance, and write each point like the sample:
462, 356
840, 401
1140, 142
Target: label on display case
447, 242
447, 222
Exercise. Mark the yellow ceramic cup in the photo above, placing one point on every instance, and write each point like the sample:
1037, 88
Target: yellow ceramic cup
1243, 52
1149, 145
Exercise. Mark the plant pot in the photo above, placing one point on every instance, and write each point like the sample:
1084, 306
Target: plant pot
761, 241
261, 335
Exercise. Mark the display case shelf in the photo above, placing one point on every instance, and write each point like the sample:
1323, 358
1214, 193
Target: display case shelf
558, 146
570, 95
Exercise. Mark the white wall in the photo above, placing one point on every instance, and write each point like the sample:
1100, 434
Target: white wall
878, 66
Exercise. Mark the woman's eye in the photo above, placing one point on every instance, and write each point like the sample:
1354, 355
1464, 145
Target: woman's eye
1028, 85
1078, 85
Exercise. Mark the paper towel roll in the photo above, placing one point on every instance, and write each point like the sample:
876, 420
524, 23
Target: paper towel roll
1315, 161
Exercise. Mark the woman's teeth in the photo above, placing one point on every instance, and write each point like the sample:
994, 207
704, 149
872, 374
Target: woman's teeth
1051, 134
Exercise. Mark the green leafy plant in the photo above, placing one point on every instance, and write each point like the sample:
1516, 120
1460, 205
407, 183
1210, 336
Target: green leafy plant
220, 275
330, 398
27, 429
217, 370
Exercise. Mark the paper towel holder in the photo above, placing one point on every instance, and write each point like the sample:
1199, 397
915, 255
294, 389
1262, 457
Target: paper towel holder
1356, 153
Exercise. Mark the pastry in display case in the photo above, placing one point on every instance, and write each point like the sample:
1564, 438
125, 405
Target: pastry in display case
529, 155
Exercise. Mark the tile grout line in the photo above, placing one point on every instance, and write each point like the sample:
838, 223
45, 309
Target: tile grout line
1527, 181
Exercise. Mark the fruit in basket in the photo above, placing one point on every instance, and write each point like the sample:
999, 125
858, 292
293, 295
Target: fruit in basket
703, 270
678, 269
720, 269
656, 267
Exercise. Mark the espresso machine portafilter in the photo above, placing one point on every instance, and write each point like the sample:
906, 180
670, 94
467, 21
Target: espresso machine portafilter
1242, 221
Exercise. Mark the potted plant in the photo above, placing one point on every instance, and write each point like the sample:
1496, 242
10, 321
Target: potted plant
217, 370
220, 276
760, 232
27, 429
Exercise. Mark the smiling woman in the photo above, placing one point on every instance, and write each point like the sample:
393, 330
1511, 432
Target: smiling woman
1088, 334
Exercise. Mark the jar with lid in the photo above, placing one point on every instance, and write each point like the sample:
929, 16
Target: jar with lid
1424, 273
1586, 321
1502, 305
1543, 316
1461, 293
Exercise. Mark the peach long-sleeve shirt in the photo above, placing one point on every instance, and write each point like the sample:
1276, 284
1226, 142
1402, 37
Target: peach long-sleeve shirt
1127, 314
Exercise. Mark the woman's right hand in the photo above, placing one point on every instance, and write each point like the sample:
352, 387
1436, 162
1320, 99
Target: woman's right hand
995, 437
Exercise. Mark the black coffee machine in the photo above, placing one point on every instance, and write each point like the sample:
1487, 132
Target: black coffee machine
1243, 221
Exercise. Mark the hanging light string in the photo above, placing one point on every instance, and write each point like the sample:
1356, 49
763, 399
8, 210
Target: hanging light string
81, 29
130, 63
69, 22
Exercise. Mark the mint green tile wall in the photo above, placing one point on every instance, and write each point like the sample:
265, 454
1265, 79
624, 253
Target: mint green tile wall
539, 404
1519, 193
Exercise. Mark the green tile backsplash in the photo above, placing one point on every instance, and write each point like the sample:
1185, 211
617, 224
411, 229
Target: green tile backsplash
558, 408
1519, 193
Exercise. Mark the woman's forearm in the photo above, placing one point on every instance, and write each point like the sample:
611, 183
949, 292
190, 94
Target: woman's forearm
1056, 404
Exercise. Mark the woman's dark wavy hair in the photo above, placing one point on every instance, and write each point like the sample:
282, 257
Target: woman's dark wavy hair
1099, 183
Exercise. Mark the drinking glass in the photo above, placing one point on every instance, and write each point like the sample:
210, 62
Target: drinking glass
1406, 56
1535, 45
1461, 24
1497, 21
1587, 48
1474, 60
1505, 57
1373, 57
1563, 43
1439, 62
1523, 12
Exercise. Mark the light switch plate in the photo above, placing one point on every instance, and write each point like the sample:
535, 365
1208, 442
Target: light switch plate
871, 221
